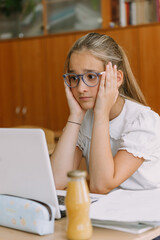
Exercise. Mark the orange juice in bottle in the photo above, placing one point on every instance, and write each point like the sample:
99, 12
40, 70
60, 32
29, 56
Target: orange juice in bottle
77, 205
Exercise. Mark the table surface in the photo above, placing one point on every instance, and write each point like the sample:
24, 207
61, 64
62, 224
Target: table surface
60, 234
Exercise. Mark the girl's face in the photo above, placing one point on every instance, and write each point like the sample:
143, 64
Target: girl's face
80, 63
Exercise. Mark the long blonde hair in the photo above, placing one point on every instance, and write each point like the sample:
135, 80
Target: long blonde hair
107, 50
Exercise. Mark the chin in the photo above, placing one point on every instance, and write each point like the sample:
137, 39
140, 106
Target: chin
87, 106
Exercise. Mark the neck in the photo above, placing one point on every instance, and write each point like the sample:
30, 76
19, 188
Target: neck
117, 108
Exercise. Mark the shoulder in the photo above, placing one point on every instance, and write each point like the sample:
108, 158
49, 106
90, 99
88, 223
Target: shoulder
141, 132
134, 109
140, 116
133, 117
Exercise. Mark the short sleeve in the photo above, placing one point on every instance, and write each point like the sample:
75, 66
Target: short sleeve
81, 141
141, 137
84, 136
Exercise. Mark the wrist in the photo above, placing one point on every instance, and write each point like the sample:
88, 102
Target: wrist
72, 122
76, 118
101, 117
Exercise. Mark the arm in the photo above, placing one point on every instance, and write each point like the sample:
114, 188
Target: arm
106, 171
66, 155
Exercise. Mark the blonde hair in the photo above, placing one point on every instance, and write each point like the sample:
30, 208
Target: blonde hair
107, 50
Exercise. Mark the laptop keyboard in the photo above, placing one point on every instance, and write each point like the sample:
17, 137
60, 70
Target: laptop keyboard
61, 200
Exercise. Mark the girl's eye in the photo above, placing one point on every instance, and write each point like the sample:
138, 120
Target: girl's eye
90, 76
73, 78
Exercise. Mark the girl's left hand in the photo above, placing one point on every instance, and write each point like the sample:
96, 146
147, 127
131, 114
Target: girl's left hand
108, 90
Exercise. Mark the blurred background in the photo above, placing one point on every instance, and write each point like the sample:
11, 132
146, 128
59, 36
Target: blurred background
35, 36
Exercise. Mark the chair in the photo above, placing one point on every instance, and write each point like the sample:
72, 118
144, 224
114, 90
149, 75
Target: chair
50, 136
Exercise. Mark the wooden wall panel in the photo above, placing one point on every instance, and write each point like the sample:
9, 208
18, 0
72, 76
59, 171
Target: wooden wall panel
10, 95
34, 79
149, 47
56, 49
128, 39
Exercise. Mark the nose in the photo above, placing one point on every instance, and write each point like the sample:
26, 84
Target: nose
82, 87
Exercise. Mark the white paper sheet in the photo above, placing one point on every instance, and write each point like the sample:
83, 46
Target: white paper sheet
126, 210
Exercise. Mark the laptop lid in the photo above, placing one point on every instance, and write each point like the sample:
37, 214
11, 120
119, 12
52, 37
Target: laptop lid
25, 168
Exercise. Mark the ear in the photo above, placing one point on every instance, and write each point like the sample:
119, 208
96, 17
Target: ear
119, 78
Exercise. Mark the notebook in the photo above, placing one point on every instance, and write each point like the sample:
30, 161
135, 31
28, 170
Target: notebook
25, 168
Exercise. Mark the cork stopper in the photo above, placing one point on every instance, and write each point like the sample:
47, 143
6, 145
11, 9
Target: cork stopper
77, 174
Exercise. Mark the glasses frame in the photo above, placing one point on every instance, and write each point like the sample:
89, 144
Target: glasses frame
80, 76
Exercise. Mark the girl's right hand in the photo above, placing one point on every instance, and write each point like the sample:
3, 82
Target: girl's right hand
76, 112
108, 91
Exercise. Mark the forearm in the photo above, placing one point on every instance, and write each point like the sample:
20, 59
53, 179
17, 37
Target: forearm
101, 165
63, 157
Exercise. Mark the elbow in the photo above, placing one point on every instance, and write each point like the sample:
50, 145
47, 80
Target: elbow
60, 186
60, 183
100, 189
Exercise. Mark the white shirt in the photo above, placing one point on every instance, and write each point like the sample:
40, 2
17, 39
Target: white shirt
136, 130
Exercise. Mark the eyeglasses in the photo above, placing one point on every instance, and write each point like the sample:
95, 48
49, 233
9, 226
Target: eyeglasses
91, 79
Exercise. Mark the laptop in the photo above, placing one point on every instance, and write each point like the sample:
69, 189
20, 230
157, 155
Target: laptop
25, 168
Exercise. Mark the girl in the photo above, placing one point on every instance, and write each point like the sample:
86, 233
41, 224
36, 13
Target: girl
109, 123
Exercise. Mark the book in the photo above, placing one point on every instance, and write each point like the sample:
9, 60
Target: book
133, 20
158, 10
136, 12
127, 210
122, 13
115, 18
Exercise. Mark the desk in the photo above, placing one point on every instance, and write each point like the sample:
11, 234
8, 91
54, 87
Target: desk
60, 234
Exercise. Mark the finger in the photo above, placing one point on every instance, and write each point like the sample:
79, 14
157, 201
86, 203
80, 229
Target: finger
108, 75
112, 79
111, 69
102, 82
115, 74
67, 90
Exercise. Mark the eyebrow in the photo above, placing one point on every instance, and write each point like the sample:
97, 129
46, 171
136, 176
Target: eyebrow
85, 70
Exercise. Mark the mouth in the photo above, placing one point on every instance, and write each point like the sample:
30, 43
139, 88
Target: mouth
84, 98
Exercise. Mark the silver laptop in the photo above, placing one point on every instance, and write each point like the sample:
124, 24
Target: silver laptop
25, 168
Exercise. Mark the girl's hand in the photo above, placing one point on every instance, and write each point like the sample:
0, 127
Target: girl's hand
108, 90
76, 112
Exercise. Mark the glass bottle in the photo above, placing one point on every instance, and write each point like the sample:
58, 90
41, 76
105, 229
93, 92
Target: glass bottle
77, 206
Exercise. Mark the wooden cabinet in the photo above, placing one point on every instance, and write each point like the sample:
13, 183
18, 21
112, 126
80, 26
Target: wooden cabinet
56, 50
23, 83
10, 78
31, 83
149, 59
34, 82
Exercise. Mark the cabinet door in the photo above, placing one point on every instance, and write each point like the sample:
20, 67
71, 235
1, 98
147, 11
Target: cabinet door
10, 80
57, 48
35, 103
149, 47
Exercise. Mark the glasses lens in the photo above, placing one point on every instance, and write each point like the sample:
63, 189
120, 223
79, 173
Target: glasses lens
71, 80
90, 78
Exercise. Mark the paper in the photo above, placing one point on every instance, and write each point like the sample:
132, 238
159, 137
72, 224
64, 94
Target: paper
122, 226
127, 210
